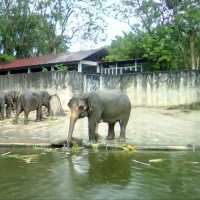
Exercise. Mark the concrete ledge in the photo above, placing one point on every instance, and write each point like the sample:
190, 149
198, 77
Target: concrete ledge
168, 148
46, 145
108, 146
144, 148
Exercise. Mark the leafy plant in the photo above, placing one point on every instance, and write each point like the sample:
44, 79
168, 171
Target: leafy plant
6, 58
32, 28
60, 67
167, 35
44, 69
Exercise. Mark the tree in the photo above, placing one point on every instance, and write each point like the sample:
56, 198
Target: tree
125, 47
29, 28
167, 30
157, 48
187, 21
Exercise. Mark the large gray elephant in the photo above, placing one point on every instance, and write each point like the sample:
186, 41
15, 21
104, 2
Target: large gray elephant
30, 101
10, 101
2, 106
109, 106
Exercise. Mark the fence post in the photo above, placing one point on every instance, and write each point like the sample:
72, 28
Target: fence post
100, 82
80, 67
84, 83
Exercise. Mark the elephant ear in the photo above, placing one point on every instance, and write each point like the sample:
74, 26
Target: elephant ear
70, 103
92, 102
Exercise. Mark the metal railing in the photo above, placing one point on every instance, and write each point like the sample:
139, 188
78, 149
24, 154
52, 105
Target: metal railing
121, 70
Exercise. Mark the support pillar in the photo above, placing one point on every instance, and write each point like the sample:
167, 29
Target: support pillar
116, 68
80, 67
52, 68
98, 69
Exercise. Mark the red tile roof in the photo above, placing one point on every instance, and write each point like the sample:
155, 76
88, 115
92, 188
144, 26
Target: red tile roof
42, 60
20, 63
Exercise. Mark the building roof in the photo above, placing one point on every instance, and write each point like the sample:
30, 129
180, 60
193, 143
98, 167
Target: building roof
67, 57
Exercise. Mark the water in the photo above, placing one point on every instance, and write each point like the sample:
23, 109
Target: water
99, 175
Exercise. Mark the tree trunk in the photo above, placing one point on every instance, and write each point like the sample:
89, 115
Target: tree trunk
192, 38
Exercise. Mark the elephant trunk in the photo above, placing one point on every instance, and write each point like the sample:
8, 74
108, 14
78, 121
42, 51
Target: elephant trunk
73, 119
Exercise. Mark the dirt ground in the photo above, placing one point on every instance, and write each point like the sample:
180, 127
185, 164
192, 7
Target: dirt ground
147, 126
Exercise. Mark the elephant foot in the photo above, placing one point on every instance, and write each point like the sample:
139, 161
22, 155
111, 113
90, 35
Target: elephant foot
38, 120
110, 137
121, 139
15, 121
97, 137
25, 122
92, 141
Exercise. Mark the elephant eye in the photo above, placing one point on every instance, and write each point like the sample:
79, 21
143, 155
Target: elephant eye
81, 107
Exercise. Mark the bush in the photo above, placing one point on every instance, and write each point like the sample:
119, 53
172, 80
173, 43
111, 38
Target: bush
6, 58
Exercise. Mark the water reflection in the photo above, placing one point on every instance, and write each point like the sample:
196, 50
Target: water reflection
102, 167
101, 175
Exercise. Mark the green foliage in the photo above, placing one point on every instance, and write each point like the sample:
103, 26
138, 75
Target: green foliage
6, 58
167, 35
157, 48
31, 28
125, 47
44, 69
60, 67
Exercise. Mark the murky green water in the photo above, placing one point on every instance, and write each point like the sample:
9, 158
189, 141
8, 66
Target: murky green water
99, 175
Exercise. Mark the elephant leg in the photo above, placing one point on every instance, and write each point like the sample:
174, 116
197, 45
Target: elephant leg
48, 111
18, 111
123, 124
26, 113
92, 129
111, 133
2, 113
39, 114
8, 110
97, 136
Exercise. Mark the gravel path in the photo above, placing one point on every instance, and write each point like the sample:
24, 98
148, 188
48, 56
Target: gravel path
147, 126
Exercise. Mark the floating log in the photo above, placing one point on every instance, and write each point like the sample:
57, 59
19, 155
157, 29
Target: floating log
63, 143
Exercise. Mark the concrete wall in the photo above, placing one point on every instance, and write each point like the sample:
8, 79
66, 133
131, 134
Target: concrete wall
144, 89
158, 89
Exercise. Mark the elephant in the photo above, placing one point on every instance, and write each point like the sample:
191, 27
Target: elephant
10, 101
55, 106
2, 106
109, 106
30, 101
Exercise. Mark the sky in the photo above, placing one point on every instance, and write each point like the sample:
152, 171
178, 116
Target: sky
115, 28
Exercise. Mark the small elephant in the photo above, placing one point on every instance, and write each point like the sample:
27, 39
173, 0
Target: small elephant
56, 107
2, 106
30, 101
109, 106
10, 101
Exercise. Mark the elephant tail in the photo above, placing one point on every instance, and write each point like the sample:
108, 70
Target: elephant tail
55, 106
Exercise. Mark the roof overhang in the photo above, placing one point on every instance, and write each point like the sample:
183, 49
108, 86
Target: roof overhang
88, 62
